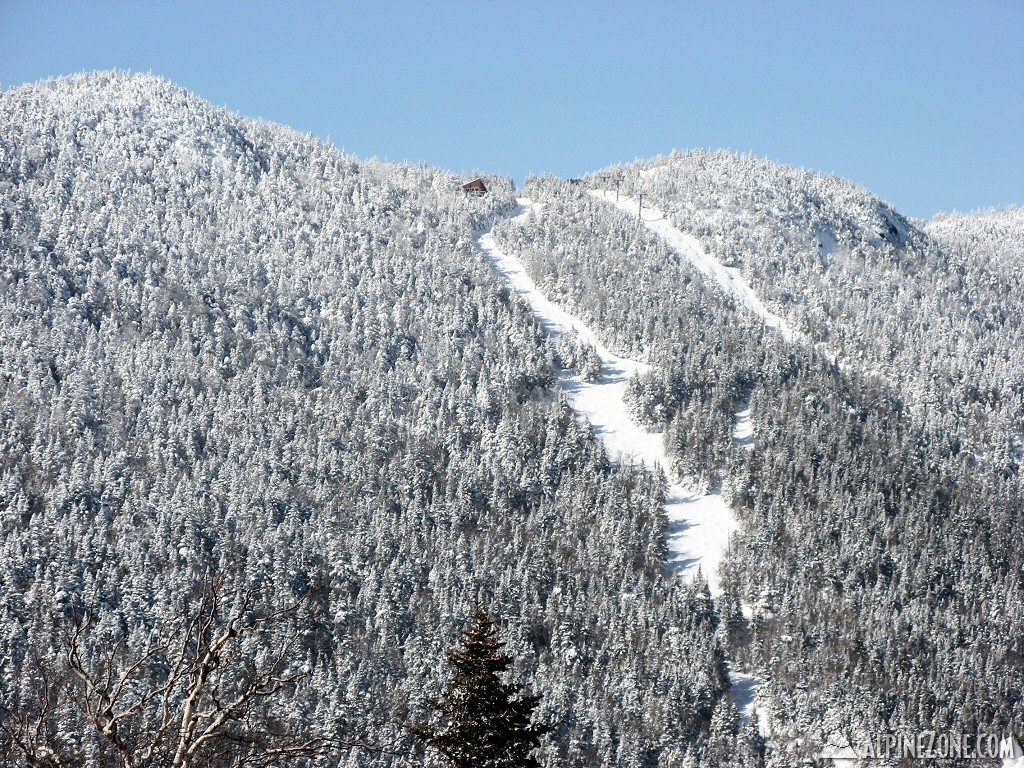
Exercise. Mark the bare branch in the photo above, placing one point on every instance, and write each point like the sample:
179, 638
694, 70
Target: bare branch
193, 694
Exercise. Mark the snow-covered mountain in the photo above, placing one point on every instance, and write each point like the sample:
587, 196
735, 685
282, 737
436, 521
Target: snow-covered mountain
995, 235
874, 290
230, 348
867, 526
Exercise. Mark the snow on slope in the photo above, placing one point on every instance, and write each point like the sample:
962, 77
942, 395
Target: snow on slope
689, 247
647, 173
699, 524
744, 696
743, 429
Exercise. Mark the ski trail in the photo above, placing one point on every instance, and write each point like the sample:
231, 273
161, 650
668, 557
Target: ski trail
743, 685
743, 689
689, 247
743, 428
699, 524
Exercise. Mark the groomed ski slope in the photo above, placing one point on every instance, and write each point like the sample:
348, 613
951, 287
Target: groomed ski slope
744, 684
743, 428
699, 524
689, 247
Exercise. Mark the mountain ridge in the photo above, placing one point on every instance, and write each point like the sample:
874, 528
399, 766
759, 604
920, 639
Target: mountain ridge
254, 352
299, 371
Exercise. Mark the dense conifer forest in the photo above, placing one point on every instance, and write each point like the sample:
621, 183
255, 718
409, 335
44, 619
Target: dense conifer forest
880, 557
230, 347
234, 355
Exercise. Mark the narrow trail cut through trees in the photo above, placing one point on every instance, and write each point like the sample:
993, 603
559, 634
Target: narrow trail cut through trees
687, 246
699, 524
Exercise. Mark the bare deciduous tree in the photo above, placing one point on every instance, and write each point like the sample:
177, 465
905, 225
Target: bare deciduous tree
207, 689
27, 734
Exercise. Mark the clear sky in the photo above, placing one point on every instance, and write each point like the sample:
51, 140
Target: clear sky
922, 102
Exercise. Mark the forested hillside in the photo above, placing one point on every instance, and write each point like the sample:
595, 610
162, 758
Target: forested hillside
874, 290
244, 374
229, 349
880, 558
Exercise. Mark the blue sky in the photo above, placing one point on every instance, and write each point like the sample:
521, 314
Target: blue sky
922, 102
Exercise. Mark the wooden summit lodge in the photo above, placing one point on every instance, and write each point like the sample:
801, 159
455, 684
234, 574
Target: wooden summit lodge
475, 187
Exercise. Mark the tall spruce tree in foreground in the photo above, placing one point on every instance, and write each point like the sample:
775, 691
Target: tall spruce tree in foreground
481, 721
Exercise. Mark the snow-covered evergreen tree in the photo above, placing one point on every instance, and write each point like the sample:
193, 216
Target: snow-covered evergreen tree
482, 721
